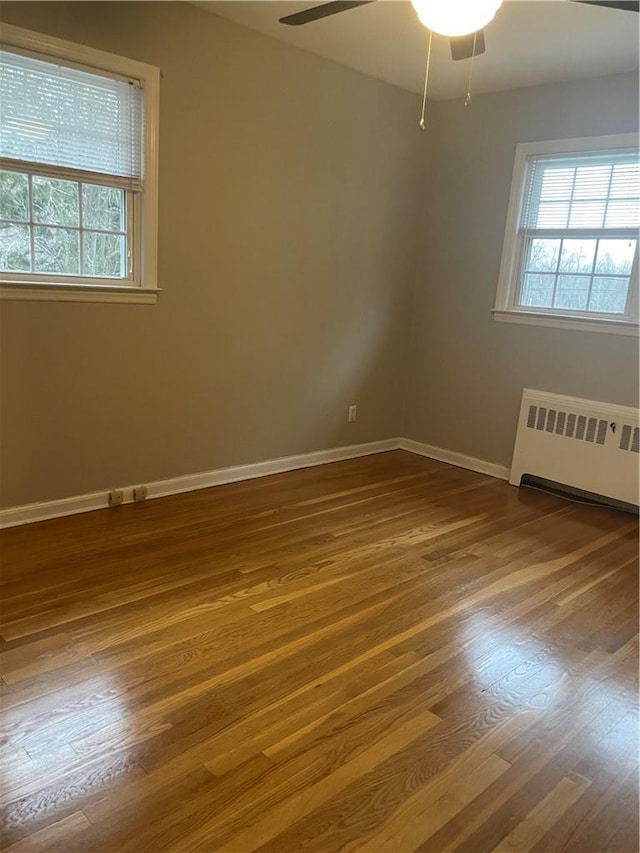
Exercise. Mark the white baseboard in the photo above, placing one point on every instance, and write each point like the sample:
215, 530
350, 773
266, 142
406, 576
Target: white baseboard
454, 458
28, 513
14, 516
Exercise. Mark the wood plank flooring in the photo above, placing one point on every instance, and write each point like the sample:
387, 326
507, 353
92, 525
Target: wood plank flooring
384, 654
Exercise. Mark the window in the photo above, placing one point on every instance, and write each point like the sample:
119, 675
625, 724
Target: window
570, 255
78, 172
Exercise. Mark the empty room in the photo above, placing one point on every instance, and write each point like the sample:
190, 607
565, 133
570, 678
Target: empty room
319, 426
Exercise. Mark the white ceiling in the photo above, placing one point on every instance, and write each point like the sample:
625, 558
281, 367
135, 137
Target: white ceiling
528, 43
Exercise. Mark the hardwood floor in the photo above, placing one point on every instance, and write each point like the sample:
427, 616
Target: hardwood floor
385, 654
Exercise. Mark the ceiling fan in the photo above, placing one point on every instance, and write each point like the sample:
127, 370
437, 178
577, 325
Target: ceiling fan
462, 26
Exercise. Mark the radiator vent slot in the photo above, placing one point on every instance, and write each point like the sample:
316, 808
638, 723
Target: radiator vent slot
586, 445
630, 438
571, 425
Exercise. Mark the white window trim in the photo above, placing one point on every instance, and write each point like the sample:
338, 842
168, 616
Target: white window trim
146, 292
505, 310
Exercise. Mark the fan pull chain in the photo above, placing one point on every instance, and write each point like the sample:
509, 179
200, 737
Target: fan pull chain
426, 82
467, 100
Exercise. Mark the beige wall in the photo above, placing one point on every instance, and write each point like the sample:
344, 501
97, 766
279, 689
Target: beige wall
288, 211
466, 371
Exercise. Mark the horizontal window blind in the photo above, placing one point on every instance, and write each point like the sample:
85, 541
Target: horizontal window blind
52, 115
599, 191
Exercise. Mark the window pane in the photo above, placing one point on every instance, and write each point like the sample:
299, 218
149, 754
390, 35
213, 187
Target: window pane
572, 292
55, 202
103, 254
609, 295
557, 184
592, 182
577, 255
615, 256
15, 248
626, 180
14, 196
587, 214
102, 208
537, 291
553, 215
57, 250
623, 213
543, 255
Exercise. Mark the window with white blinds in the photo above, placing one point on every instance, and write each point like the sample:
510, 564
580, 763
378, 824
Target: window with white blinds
53, 115
571, 242
78, 169
599, 191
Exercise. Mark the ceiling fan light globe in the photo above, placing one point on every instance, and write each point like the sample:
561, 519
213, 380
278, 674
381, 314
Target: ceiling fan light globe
455, 17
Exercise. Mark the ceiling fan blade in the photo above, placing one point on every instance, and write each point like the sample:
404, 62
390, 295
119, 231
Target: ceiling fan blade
315, 13
627, 5
462, 46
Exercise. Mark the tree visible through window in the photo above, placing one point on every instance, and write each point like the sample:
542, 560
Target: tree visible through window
578, 274
50, 225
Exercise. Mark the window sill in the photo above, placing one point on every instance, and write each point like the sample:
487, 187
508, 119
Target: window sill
78, 293
592, 324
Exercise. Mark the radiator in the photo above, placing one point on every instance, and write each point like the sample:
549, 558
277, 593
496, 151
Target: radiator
582, 444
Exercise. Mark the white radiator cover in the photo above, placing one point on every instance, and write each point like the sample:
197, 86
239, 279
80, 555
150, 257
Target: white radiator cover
580, 443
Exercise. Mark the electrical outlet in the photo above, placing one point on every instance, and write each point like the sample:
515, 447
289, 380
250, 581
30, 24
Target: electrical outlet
140, 493
353, 414
116, 497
